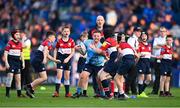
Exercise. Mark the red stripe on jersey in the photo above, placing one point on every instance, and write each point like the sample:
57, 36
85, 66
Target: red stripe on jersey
126, 48
124, 45
144, 48
13, 45
65, 47
109, 42
14, 48
166, 52
47, 43
69, 44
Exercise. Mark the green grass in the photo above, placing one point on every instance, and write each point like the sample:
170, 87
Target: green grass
44, 99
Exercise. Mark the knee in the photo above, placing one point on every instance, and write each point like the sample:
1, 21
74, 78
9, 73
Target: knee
44, 78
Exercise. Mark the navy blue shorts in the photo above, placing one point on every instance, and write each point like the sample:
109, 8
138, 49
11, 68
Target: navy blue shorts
111, 66
92, 69
81, 64
143, 66
124, 66
64, 66
166, 67
36, 61
15, 64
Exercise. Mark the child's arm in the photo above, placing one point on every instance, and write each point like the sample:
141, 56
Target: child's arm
70, 56
6, 59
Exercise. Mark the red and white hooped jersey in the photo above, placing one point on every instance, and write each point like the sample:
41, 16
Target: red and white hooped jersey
144, 50
109, 45
126, 49
166, 52
65, 47
45, 43
14, 48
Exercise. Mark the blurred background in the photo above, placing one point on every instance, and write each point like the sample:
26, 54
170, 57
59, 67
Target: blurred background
35, 17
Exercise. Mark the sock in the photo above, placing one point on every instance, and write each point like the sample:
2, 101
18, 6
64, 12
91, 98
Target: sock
106, 87
57, 87
166, 92
7, 91
18, 92
95, 85
66, 85
29, 86
78, 90
112, 86
140, 87
66, 89
84, 92
144, 87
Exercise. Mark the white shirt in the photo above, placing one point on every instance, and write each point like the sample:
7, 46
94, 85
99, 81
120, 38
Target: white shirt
158, 41
133, 41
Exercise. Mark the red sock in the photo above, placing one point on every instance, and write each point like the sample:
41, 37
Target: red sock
112, 86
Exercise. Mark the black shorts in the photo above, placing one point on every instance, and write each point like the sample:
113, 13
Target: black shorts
92, 69
111, 66
15, 64
166, 67
64, 66
37, 61
124, 66
81, 64
143, 66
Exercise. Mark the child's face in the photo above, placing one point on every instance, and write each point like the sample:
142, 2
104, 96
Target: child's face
17, 36
169, 41
66, 32
96, 37
83, 38
123, 38
52, 38
144, 37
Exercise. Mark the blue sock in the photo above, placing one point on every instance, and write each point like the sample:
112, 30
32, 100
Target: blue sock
79, 90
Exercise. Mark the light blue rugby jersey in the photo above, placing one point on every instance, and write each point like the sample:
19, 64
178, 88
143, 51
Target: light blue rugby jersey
92, 57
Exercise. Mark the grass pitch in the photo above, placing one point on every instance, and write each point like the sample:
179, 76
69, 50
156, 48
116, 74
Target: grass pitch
44, 99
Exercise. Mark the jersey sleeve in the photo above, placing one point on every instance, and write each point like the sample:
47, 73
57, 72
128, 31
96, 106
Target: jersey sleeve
8, 46
57, 44
105, 46
72, 44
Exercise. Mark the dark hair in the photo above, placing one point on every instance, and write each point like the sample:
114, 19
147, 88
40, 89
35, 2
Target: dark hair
119, 37
169, 36
144, 33
66, 27
49, 33
108, 32
14, 32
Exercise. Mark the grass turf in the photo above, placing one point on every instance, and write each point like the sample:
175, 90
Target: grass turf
44, 99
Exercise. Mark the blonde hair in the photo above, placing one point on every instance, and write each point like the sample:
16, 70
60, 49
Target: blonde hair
163, 28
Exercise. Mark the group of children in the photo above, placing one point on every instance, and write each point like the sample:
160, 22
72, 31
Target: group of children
107, 61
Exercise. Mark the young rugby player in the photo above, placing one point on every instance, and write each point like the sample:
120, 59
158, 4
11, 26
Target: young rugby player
38, 60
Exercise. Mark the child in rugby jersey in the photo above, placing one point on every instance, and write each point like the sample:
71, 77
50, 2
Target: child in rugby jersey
166, 67
64, 51
143, 65
14, 61
126, 63
94, 62
109, 49
39, 58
